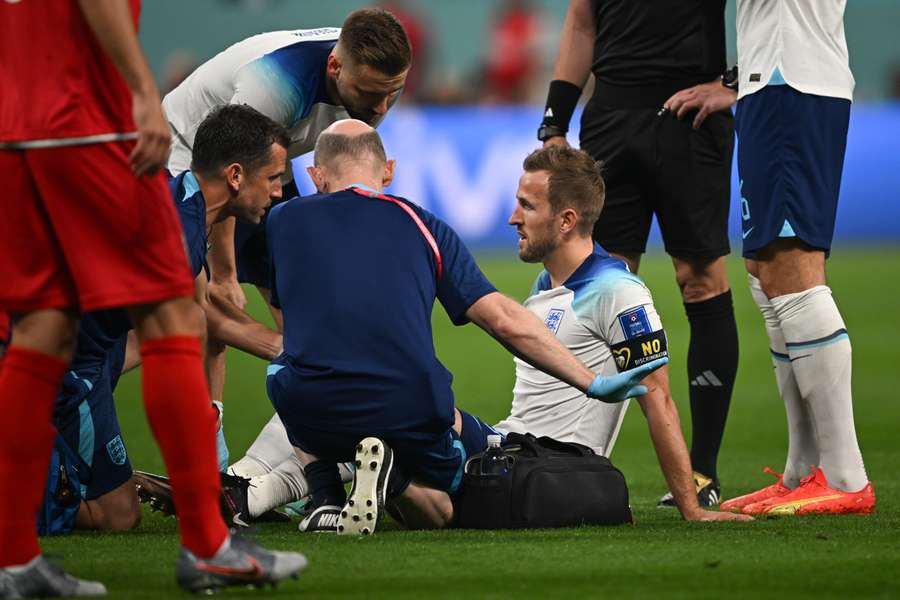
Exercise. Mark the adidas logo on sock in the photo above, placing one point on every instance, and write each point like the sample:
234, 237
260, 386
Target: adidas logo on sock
707, 379
549, 113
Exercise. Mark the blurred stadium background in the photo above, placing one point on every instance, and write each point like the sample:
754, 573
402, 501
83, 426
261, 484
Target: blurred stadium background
481, 70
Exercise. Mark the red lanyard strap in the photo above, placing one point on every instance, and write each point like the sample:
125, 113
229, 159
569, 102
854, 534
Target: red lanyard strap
415, 217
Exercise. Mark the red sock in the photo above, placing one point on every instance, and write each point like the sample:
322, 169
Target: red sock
181, 416
29, 384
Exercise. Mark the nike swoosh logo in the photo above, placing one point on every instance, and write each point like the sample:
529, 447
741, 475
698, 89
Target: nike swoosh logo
746, 233
237, 520
801, 356
254, 571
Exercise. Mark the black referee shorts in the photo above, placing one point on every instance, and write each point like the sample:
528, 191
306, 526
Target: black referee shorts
660, 165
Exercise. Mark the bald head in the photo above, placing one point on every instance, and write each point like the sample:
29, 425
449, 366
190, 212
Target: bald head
348, 146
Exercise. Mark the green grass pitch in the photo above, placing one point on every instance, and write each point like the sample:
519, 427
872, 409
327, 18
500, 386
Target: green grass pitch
660, 556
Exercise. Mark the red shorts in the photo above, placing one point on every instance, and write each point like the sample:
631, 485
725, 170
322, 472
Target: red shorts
79, 230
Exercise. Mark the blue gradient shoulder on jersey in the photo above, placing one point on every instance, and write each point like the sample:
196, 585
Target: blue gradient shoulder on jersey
297, 74
541, 284
598, 275
191, 206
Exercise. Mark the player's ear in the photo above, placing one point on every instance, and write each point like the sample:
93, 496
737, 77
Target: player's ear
234, 176
388, 176
569, 221
333, 65
317, 177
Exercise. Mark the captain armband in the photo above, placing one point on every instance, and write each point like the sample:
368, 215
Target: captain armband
636, 351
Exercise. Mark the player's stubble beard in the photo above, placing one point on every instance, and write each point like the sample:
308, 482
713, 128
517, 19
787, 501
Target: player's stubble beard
538, 247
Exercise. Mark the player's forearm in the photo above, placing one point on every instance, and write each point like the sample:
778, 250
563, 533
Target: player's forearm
576, 44
221, 257
671, 451
112, 24
244, 334
525, 336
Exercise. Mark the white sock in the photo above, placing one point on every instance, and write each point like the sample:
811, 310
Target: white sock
270, 448
802, 450
346, 469
820, 353
284, 484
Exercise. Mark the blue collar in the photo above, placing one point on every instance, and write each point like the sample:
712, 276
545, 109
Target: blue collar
363, 187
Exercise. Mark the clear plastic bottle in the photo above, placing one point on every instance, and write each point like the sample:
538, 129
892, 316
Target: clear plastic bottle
494, 461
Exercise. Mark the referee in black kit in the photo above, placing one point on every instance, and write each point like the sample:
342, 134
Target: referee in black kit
659, 119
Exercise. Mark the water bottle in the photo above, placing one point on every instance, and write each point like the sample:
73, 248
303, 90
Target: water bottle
494, 461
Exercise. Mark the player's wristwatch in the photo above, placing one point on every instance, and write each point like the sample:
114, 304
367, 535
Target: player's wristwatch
545, 132
730, 78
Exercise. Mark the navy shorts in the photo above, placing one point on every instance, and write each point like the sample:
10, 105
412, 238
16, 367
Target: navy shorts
659, 165
434, 460
790, 159
85, 417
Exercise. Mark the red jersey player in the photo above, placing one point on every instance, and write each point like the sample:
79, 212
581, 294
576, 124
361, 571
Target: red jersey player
86, 223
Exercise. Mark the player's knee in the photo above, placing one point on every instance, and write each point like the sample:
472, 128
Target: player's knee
52, 332
443, 514
175, 317
121, 511
124, 520
701, 279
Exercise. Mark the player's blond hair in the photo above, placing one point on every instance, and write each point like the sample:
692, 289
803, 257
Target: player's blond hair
374, 37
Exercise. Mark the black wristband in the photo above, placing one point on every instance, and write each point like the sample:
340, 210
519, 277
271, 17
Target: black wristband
561, 102
730, 78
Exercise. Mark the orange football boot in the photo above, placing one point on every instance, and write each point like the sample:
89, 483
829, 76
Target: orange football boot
775, 490
813, 496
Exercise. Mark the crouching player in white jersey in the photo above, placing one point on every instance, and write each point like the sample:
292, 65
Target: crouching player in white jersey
600, 311
793, 112
304, 80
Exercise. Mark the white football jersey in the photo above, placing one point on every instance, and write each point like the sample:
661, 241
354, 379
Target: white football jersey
601, 305
281, 74
803, 39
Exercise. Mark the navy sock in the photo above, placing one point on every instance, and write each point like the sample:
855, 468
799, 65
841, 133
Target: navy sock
325, 485
474, 433
712, 366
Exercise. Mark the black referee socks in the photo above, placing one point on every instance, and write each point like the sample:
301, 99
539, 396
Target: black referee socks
712, 366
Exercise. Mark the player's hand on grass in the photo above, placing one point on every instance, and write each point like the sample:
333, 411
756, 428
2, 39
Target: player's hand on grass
618, 388
705, 98
228, 289
556, 140
714, 515
154, 137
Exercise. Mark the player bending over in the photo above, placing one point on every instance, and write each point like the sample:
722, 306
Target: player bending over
356, 274
305, 80
239, 154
